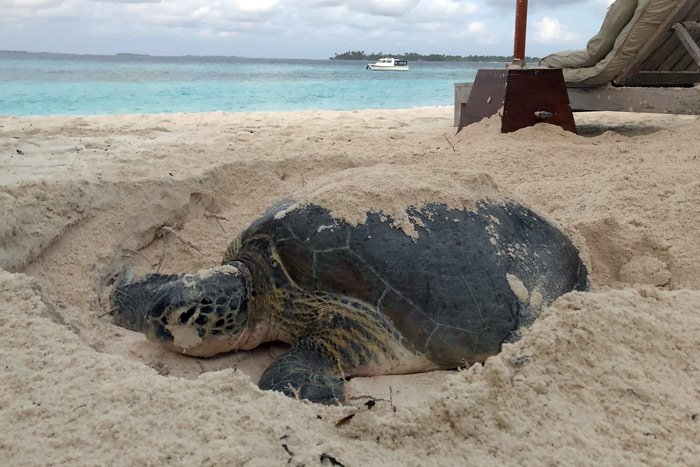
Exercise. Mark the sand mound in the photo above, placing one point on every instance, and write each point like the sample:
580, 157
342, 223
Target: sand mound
605, 376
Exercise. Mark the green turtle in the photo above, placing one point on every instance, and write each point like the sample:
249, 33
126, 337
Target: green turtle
361, 300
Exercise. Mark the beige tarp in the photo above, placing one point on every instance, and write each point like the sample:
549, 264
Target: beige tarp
627, 27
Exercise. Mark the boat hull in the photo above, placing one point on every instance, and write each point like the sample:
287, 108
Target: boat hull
387, 68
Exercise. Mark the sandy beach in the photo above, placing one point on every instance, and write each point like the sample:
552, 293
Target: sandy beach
610, 376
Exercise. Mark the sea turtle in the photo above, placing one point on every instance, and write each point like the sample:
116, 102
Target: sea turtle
367, 299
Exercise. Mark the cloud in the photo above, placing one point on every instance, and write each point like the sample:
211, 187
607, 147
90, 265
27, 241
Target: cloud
129, 1
534, 5
510, 4
136, 14
396, 8
224, 16
313, 3
291, 27
29, 3
391, 21
383, 7
549, 31
254, 6
477, 32
447, 9
476, 28
36, 10
232, 15
441, 13
321, 3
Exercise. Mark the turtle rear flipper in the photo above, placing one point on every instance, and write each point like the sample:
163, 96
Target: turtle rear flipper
303, 374
131, 301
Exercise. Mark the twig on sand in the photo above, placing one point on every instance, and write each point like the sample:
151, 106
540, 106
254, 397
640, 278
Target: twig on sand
209, 215
344, 420
331, 459
450, 143
162, 255
294, 391
182, 240
108, 312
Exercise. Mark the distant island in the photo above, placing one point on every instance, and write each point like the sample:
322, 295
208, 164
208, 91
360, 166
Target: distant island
361, 55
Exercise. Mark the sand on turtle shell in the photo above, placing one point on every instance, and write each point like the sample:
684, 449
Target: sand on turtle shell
608, 376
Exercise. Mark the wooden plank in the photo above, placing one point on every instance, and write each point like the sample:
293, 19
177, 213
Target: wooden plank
659, 61
668, 53
672, 52
692, 26
536, 95
687, 41
685, 101
522, 94
664, 78
462, 92
673, 56
486, 97
687, 63
656, 40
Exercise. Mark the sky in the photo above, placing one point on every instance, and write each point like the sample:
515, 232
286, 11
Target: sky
315, 29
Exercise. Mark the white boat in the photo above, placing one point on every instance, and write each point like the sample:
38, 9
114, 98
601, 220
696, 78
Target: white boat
389, 64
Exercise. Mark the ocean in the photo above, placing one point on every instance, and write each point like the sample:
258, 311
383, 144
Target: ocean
65, 84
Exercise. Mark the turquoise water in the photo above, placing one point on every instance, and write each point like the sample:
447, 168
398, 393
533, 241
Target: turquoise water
58, 84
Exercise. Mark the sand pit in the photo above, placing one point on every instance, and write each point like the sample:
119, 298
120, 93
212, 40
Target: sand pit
608, 376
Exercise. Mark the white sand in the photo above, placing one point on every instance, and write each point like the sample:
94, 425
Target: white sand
610, 376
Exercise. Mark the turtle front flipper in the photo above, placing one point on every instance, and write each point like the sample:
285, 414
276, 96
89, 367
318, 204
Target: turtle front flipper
302, 372
131, 300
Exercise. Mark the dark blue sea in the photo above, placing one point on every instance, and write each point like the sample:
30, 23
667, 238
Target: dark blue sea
64, 84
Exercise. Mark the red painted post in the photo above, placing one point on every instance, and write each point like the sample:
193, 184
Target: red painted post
520, 30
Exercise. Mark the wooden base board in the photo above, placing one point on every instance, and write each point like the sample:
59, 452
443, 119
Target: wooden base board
526, 97
683, 101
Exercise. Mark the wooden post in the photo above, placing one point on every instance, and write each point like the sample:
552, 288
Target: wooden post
520, 32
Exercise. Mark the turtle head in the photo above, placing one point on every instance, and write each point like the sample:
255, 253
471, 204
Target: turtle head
201, 314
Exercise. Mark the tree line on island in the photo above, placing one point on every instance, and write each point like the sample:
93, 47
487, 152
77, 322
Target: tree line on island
413, 56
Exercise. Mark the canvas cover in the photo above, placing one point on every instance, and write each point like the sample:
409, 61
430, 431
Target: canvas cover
626, 28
